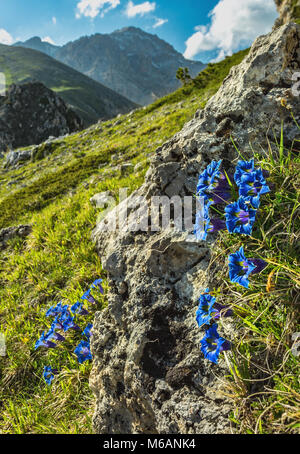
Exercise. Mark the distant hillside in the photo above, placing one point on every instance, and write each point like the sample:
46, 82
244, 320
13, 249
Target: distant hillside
90, 100
136, 64
36, 43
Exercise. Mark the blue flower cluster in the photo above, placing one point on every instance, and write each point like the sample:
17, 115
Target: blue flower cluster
214, 186
240, 215
63, 320
208, 311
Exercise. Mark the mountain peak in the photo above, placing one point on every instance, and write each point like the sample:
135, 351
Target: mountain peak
139, 65
34, 39
131, 28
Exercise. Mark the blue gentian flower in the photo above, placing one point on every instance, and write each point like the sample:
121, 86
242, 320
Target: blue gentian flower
56, 310
97, 284
58, 322
78, 309
243, 167
204, 224
43, 342
83, 352
213, 185
220, 309
240, 216
253, 184
209, 309
259, 264
240, 268
212, 344
208, 178
205, 308
49, 374
87, 330
70, 324
53, 335
88, 297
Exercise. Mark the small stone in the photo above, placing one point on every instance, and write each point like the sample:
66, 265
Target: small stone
102, 200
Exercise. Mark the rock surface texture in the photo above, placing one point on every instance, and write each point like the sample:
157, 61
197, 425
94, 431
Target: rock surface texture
149, 375
289, 11
30, 113
21, 231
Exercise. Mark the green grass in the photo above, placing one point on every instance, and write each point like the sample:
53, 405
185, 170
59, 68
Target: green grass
264, 381
58, 261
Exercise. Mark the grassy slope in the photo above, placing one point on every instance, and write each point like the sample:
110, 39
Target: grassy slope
90, 99
58, 260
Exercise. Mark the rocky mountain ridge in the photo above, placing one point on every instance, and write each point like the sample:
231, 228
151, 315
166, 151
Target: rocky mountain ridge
31, 113
138, 65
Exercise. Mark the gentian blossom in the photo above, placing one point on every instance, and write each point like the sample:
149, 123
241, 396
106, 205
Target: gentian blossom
253, 184
49, 374
58, 322
212, 344
83, 352
87, 331
78, 309
70, 324
53, 335
204, 224
220, 309
213, 185
240, 268
56, 310
240, 215
97, 284
44, 342
88, 297
208, 177
259, 264
209, 309
205, 309
242, 168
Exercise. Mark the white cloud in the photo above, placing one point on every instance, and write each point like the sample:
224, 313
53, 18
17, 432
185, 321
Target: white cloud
5, 37
160, 22
91, 8
133, 10
47, 39
234, 24
54, 20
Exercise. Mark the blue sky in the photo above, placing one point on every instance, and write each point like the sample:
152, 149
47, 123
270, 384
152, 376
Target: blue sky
204, 30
